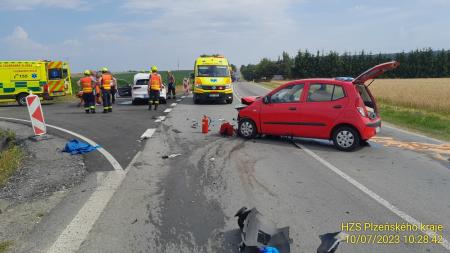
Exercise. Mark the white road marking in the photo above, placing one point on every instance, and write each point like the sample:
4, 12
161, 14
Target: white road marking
178, 100
161, 118
168, 110
70, 240
374, 196
174, 104
148, 133
369, 192
183, 97
114, 163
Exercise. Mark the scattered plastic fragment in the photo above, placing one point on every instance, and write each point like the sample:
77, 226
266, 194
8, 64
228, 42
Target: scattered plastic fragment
170, 156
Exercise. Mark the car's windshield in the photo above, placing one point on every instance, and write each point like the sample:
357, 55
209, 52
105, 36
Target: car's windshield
142, 82
212, 71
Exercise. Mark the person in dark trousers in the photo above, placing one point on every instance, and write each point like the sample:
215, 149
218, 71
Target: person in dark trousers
154, 87
113, 91
106, 81
87, 84
171, 84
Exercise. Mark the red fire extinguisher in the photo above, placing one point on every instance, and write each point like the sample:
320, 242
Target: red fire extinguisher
205, 124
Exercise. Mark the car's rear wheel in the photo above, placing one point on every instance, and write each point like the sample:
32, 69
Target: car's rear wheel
346, 138
247, 128
22, 99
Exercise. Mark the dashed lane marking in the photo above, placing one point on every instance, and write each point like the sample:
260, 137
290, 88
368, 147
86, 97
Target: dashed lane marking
148, 133
178, 100
161, 118
168, 110
173, 104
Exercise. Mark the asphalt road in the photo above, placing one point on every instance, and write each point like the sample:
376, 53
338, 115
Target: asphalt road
187, 203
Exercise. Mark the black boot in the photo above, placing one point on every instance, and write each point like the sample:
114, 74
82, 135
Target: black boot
105, 111
87, 111
156, 107
92, 110
110, 109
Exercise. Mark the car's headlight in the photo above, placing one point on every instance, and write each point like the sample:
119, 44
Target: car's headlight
228, 86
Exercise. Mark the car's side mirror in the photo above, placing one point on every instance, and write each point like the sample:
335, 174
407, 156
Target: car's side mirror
266, 100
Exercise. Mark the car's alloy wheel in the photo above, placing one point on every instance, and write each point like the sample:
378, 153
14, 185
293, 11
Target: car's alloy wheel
247, 129
346, 138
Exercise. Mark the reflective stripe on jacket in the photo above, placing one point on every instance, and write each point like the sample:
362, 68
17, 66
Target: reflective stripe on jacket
86, 84
155, 82
106, 81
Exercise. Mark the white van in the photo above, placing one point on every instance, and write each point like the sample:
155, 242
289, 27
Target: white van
139, 90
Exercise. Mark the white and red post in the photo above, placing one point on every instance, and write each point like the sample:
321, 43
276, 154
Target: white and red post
36, 114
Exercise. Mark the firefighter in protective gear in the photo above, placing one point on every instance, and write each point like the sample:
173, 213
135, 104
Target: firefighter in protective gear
87, 84
106, 81
154, 87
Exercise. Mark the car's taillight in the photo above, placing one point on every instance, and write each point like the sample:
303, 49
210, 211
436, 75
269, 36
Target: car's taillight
361, 111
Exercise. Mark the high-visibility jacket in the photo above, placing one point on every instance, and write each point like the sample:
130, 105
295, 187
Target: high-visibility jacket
86, 84
155, 82
106, 81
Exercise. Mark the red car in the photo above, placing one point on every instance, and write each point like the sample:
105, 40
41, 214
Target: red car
339, 109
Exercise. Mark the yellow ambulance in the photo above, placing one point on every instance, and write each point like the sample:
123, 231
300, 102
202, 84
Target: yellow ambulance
46, 79
212, 79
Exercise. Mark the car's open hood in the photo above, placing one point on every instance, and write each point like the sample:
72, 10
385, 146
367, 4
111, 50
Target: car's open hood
376, 71
249, 100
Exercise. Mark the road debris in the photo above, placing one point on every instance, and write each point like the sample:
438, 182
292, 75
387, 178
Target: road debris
260, 232
134, 221
75, 147
170, 156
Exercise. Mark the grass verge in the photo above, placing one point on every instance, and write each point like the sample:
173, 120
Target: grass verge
10, 158
4, 246
429, 123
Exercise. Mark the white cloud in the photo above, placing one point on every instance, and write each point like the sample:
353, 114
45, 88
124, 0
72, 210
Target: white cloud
19, 44
31, 4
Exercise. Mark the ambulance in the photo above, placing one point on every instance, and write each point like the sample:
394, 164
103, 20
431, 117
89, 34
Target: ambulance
212, 80
46, 79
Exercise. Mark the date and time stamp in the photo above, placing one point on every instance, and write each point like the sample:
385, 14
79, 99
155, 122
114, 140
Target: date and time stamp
358, 232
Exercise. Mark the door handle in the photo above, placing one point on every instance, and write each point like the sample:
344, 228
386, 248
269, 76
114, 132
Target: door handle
337, 106
292, 108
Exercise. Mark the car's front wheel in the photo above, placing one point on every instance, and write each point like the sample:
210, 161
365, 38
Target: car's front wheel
247, 128
346, 138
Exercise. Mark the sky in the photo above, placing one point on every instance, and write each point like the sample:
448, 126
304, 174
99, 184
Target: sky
136, 34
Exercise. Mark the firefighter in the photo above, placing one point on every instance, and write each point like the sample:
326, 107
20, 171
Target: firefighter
154, 86
106, 81
87, 84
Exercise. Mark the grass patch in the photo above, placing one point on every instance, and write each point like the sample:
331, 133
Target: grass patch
4, 246
430, 123
272, 84
10, 158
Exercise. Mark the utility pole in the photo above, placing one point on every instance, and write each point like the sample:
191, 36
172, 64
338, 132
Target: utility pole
178, 64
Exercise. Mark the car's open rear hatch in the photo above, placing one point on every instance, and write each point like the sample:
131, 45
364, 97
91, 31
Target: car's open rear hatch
376, 71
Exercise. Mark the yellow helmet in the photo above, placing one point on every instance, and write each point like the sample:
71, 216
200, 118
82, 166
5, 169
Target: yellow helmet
154, 68
87, 72
104, 69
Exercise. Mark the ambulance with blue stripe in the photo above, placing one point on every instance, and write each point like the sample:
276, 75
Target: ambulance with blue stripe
46, 79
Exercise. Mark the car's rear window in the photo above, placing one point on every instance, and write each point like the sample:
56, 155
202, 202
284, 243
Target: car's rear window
142, 82
319, 92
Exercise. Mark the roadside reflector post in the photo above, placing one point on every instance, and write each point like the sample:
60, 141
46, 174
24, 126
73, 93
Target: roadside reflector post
36, 115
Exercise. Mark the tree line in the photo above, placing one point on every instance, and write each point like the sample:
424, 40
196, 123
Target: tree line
419, 63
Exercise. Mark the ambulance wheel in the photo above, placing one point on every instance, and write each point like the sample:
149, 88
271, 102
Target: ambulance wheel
196, 100
22, 99
229, 101
247, 128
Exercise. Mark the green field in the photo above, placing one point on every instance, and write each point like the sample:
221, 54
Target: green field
126, 78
